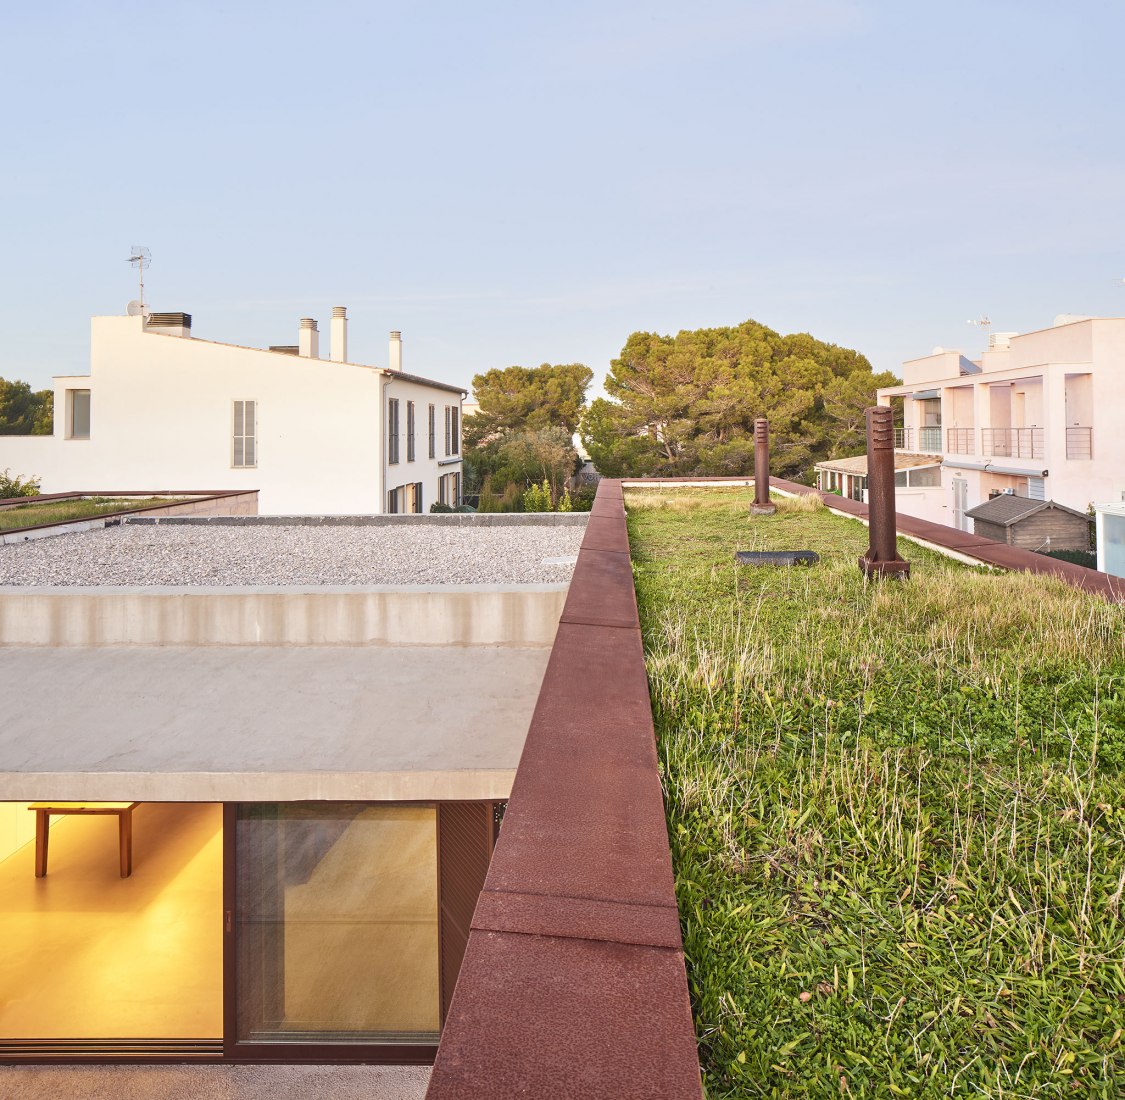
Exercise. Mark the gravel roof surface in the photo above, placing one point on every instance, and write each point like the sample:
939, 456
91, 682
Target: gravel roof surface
299, 555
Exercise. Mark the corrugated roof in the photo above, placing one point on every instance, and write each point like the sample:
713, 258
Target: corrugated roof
1006, 509
858, 463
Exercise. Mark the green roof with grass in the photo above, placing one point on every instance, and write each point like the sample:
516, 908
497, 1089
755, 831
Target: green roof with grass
896, 810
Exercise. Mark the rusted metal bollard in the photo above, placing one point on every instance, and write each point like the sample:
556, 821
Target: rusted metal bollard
881, 559
762, 505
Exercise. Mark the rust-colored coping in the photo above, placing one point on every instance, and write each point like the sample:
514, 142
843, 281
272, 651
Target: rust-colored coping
185, 500
573, 982
961, 543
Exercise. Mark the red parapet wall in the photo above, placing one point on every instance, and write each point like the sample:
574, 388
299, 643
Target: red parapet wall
573, 982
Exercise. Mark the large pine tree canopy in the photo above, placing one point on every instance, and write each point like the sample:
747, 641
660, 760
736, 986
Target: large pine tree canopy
686, 404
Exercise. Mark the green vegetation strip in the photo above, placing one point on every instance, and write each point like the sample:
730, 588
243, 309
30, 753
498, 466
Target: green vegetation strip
66, 511
896, 811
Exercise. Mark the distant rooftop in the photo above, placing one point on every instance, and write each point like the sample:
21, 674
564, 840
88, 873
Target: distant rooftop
858, 463
1006, 509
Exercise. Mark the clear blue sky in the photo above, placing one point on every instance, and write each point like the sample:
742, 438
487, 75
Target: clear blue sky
529, 182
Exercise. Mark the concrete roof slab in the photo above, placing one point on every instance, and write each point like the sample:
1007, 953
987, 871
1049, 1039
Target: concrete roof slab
264, 723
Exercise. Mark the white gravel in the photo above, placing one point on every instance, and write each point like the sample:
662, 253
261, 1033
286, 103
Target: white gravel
298, 555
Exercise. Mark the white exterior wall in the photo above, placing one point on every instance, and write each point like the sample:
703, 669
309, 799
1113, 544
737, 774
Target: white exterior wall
161, 418
423, 468
1067, 376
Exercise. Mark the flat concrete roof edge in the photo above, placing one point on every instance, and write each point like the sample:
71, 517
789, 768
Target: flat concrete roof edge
463, 784
274, 589
431, 519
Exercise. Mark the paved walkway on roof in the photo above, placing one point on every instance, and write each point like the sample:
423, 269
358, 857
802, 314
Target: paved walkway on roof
213, 1082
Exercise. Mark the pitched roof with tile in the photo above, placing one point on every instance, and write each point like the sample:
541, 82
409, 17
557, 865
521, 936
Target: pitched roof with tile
1006, 509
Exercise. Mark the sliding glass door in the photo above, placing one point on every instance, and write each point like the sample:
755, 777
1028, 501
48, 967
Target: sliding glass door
336, 924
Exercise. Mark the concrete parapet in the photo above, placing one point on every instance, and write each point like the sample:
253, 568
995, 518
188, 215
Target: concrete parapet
402, 615
433, 519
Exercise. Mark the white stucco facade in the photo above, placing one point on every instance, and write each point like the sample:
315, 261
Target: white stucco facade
1038, 414
164, 408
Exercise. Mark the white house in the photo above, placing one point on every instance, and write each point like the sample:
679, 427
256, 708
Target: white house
162, 410
1037, 415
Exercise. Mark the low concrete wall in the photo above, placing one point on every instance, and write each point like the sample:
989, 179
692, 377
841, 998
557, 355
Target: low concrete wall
435, 519
229, 504
403, 615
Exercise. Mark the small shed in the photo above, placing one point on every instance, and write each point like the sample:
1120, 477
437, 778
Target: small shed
1031, 524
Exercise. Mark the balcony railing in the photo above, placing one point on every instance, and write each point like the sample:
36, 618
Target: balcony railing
904, 439
929, 441
1012, 442
959, 441
1080, 443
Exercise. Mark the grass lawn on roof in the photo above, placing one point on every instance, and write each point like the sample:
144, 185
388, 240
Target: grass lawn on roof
896, 810
65, 511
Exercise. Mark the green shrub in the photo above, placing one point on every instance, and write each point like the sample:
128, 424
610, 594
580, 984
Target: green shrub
565, 503
538, 498
12, 485
1076, 557
582, 499
436, 507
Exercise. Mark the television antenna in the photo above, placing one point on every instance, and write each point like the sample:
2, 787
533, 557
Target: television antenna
984, 322
140, 258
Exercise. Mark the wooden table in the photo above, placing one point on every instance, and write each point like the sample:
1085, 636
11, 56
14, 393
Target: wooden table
124, 811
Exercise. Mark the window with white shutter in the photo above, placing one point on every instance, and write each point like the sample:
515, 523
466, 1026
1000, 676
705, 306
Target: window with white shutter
244, 437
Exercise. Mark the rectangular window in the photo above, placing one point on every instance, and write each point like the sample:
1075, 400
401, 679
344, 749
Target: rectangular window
449, 489
245, 435
337, 923
410, 431
926, 477
456, 418
78, 414
418, 497
448, 430
392, 430
433, 432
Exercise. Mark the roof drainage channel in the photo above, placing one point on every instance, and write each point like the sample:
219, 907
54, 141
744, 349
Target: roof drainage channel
573, 982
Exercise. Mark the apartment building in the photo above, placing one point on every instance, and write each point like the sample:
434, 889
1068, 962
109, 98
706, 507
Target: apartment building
1036, 416
162, 409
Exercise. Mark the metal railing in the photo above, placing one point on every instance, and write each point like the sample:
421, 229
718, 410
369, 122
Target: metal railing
904, 439
1080, 443
929, 441
959, 441
1012, 442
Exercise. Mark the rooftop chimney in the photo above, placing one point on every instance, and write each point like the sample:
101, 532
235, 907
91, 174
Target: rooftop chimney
170, 324
309, 339
338, 335
394, 360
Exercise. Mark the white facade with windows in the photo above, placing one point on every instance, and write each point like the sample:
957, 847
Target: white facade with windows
161, 410
1037, 415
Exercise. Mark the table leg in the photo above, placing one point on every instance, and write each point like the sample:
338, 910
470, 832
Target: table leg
125, 835
41, 824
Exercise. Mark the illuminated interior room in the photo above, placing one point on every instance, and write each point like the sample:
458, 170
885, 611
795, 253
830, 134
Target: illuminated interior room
88, 954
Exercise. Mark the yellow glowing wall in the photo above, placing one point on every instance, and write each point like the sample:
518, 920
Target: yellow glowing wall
17, 827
